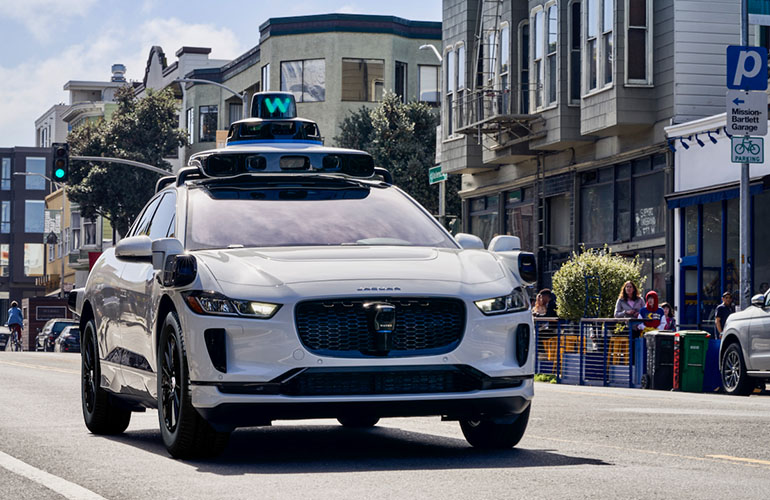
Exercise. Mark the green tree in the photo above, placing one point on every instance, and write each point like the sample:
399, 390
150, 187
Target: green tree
144, 130
401, 138
595, 272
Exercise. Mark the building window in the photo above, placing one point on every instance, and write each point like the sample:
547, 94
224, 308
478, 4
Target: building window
599, 46
450, 76
401, 79
34, 211
524, 68
5, 217
428, 84
35, 165
483, 214
207, 117
75, 225
623, 202
5, 182
520, 217
89, 232
266, 77
235, 111
305, 79
189, 123
34, 256
461, 86
639, 42
574, 53
505, 70
51, 252
4, 260
537, 59
362, 79
551, 46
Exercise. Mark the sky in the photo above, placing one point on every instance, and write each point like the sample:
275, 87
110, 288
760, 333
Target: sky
46, 43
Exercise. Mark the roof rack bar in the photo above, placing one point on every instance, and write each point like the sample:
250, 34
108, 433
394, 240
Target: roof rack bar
384, 173
186, 173
163, 182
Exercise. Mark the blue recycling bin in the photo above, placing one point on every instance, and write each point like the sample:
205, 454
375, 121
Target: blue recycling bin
712, 379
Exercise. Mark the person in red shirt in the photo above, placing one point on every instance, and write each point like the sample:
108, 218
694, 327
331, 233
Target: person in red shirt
651, 313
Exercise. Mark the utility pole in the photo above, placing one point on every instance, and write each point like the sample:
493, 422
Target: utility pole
745, 292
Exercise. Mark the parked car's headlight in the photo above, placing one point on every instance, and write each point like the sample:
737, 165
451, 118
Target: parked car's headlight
218, 304
515, 302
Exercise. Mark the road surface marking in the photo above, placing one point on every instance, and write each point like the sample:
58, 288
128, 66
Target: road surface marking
708, 458
54, 483
40, 367
740, 459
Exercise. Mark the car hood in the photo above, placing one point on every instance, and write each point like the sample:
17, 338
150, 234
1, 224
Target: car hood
284, 266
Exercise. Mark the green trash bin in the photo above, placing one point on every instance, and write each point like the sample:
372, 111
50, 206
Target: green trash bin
693, 346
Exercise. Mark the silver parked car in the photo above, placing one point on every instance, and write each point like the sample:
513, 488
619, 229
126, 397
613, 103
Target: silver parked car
744, 357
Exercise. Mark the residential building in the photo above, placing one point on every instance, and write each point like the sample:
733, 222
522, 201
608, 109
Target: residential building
22, 206
555, 114
332, 63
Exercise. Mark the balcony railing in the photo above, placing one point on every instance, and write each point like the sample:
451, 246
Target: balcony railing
491, 110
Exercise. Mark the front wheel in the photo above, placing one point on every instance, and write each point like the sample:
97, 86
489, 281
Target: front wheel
735, 380
488, 434
99, 412
185, 433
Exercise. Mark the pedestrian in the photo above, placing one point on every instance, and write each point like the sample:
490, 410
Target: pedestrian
668, 320
545, 306
724, 310
629, 303
651, 313
15, 323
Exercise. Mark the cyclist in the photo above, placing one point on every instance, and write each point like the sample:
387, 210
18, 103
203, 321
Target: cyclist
15, 323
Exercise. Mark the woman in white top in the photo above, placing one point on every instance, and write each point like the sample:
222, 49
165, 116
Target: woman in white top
629, 302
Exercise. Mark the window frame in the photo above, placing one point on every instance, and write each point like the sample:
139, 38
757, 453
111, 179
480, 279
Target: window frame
32, 181
523, 50
437, 70
201, 122
404, 80
450, 84
460, 91
5, 225
190, 124
600, 48
27, 204
547, 103
301, 97
5, 180
649, 39
537, 99
504, 69
570, 49
370, 86
5, 262
264, 74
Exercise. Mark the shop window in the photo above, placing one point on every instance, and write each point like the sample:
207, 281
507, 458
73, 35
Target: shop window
362, 79
761, 257
483, 215
520, 217
712, 234
305, 79
733, 245
649, 206
691, 230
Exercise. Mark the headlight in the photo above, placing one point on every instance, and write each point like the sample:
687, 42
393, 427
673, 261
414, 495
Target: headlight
218, 304
515, 302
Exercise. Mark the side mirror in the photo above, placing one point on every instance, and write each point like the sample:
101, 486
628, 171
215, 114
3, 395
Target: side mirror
469, 241
176, 268
758, 300
504, 243
134, 248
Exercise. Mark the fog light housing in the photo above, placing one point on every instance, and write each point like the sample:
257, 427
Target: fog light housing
522, 343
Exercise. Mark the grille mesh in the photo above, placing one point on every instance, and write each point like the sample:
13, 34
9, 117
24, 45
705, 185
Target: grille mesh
343, 325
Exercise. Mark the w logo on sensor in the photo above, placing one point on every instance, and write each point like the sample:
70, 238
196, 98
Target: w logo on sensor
276, 103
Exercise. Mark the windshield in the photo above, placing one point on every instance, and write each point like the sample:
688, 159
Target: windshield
59, 326
340, 213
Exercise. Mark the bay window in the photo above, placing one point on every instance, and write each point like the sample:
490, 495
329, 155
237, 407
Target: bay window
639, 42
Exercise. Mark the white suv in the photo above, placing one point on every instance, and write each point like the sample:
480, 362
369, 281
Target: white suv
292, 281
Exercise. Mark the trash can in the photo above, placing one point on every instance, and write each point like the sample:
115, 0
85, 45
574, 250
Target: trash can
693, 346
712, 378
660, 360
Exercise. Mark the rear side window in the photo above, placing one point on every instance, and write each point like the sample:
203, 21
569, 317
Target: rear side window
142, 226
164, 216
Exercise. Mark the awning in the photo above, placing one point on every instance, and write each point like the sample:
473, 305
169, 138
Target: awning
710, 195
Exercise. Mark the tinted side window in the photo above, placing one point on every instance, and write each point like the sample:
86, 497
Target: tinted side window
159, 227
142, 226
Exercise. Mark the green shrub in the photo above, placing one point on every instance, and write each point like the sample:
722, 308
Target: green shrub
606, 272
543, 377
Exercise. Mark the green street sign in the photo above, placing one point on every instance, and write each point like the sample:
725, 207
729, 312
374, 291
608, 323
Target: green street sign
435, 176
745, 149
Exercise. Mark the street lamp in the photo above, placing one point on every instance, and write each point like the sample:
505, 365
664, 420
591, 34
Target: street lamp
63, 205
442, 184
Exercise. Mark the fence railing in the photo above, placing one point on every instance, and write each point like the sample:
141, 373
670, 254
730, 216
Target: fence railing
595, 351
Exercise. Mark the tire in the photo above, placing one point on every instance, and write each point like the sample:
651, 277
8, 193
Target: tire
185, 433
100, 413
732, 369
486, 434
358, 421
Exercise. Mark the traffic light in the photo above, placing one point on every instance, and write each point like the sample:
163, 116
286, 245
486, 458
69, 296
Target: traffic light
61, 162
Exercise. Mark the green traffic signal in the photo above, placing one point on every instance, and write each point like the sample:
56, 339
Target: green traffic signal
61, 162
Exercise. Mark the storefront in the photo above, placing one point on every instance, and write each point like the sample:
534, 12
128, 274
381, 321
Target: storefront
707, 221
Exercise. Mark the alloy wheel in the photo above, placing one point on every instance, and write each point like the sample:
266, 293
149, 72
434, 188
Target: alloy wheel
731, 370
171, 389
89, 373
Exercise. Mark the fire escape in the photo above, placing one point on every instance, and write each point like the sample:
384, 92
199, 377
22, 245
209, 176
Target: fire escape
494, 111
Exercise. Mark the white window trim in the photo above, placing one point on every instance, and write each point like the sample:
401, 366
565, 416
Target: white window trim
460, 92
500, 72
570, 102
599, 49
648, 81
445, 94
533, 76
546, 76
523, 52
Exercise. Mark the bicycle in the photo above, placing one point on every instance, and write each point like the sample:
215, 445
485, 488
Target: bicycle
16, 344
746, 145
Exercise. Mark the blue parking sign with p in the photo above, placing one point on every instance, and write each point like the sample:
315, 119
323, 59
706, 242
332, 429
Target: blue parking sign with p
746, 68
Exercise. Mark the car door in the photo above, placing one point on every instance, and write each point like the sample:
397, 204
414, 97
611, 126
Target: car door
139, 283
759, 339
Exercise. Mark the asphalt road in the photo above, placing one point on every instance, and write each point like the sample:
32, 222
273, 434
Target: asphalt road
582, 442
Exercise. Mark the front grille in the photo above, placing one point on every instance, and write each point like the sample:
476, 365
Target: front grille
342, 327
318, 382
